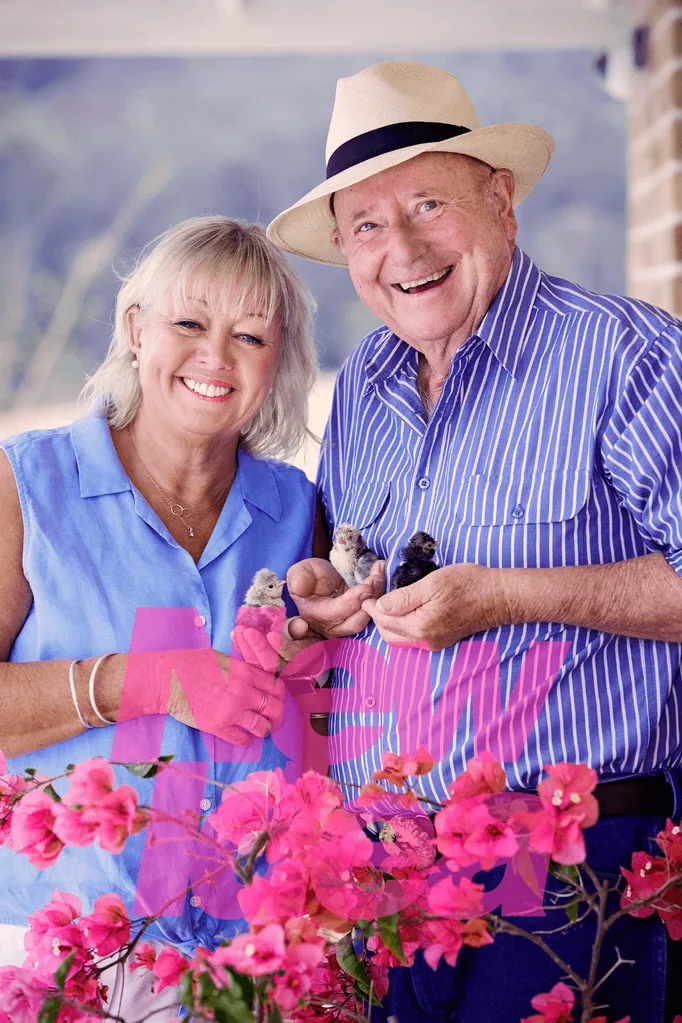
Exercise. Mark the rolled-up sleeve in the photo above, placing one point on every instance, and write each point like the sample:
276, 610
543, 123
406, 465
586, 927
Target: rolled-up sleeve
642, 445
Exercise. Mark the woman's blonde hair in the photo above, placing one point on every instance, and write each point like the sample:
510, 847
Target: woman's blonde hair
211, 251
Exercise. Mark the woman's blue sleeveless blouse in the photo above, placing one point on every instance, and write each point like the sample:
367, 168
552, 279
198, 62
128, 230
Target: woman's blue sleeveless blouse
94, 553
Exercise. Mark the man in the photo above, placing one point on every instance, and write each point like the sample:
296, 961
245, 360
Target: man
535, 430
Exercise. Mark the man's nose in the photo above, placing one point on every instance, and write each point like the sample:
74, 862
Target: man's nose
406, 245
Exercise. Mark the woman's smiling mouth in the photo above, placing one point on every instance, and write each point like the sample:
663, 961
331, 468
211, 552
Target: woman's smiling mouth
208, 390
427, 283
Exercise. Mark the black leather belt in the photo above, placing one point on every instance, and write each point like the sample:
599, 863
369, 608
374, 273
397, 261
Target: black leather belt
652, 796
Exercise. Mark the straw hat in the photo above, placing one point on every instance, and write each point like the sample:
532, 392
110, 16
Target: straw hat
390, 113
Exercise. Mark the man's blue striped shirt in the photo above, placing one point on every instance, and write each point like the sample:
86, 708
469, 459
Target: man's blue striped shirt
556, 440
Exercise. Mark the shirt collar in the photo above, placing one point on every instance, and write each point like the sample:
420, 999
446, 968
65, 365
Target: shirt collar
503, 328
100, 471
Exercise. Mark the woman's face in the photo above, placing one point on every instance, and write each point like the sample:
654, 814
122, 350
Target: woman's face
204, 367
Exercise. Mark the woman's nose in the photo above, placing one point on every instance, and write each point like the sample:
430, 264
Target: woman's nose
217, 348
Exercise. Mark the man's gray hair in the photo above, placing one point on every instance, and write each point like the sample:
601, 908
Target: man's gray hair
253, 273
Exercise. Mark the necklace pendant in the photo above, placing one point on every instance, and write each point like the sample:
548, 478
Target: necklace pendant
191, 531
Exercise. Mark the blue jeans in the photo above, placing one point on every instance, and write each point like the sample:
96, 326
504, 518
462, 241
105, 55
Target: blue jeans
495, 984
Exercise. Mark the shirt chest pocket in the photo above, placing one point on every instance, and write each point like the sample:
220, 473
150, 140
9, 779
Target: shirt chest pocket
523, 499
363, 505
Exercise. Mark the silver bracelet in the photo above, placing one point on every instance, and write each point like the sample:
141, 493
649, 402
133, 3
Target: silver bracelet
72, 685
91, 691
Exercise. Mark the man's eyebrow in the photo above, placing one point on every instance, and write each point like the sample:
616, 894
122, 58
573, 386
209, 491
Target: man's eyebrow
360, 214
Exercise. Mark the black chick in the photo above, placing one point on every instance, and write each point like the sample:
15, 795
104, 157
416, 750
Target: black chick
417, 555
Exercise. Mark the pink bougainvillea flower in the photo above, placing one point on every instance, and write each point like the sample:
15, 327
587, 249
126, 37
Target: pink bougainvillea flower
169, 969
108, 927
398, 767
251, 809
448, 936
33, 831
648, 875
275, 899
3, 763
145, 955
75, 827
22, 993
468, 833
89, 782
568, 806
254, 954
669, 841
483, 776
119, 817
553, 1007
52, 932
461, 901
291, 988
10, 786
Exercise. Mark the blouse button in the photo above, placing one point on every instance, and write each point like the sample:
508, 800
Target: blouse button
195, 901
205, 804
199, 621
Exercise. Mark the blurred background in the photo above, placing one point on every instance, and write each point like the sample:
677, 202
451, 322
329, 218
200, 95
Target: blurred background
121, 118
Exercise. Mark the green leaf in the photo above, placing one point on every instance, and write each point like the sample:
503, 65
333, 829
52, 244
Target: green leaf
142, 770
274, 1016
388, 932
230, 1007
187, 989
50, 1010
31, 771
564, 872
70, 767
166, 758
348, 961
63, 971
572, 911
52, 794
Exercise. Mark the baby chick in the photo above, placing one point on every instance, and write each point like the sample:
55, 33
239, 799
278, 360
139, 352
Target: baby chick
417, 555
264, 594
350, 555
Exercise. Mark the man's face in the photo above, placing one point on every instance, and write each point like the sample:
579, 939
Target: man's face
441, 216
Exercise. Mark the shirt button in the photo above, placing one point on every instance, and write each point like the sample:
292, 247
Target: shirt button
195, 901
518, 511
199, 621
370, 701
205, 804
424, 483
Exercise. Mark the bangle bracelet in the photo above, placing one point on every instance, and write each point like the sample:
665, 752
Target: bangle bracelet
91, 691
72, 685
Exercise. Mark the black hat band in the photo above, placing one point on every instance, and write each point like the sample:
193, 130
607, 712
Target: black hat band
390, 137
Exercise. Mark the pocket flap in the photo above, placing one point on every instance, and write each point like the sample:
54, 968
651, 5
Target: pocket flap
536, 497
363, 502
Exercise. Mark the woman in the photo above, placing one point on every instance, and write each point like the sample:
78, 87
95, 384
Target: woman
160, 498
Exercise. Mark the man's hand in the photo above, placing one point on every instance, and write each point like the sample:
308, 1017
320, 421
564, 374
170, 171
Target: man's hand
325, 604
444, 607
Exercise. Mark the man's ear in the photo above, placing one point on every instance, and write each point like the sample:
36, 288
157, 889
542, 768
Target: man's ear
336, 240
134, 327
502, 186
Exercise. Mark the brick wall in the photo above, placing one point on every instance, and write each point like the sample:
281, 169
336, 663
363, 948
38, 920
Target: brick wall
654, 258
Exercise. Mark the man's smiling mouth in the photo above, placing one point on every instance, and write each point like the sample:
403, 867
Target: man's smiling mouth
426, 283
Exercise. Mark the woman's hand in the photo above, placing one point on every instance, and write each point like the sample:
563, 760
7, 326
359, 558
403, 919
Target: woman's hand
272, 651
248, 702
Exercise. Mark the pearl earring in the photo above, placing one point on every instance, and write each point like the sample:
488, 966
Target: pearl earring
135, 364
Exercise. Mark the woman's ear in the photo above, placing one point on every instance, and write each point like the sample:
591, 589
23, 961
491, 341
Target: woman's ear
134, 326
